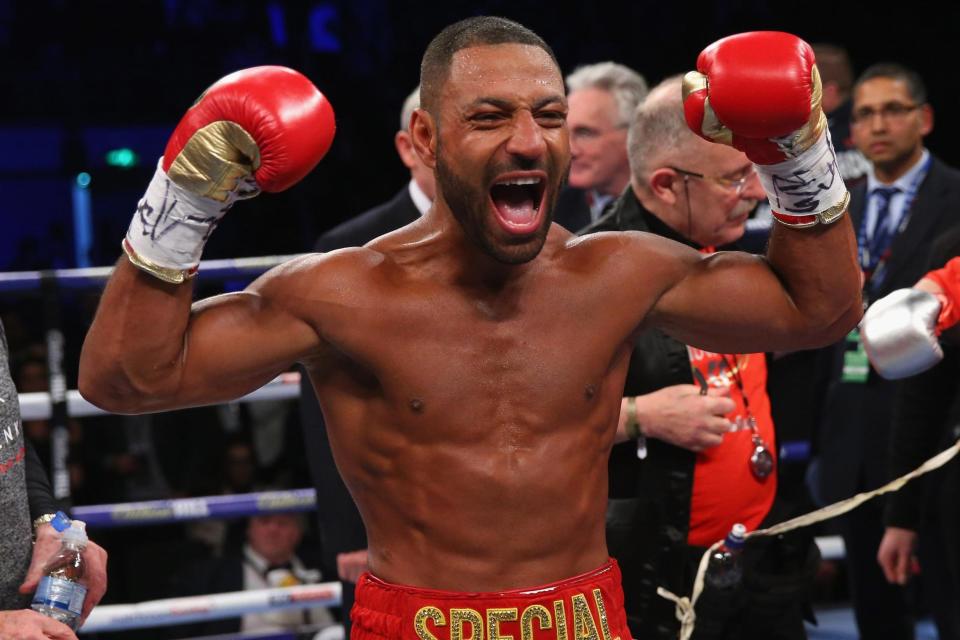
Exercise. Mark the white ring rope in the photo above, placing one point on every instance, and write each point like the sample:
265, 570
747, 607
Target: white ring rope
170, 611
37, 406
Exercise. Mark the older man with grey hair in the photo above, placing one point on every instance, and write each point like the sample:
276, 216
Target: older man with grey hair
601, 98
700, 450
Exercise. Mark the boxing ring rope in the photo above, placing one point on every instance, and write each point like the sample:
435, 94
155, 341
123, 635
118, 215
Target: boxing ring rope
94, 276
153, 512
38, 405
171, 611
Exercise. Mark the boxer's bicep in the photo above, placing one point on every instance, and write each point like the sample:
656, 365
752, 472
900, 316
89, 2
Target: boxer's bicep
729, 302
236, 343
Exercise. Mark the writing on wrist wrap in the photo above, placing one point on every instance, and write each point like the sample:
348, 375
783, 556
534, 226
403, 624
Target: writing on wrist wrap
172, 224
806, 190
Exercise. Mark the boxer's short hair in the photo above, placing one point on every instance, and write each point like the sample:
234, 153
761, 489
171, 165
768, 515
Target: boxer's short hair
471, 32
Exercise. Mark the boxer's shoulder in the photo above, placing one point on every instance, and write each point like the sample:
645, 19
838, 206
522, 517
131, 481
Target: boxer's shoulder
626, 252
321, 276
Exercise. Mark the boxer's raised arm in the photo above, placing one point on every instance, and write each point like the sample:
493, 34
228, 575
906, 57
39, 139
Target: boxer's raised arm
760, 92
259, 129
149, 350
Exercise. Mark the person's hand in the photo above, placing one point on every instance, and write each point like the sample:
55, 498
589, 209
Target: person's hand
895, 554
26, 624
683, 417
351, 565
47, 544
94, 578
95, 573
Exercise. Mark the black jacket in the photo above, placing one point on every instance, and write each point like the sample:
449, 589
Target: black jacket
649, 511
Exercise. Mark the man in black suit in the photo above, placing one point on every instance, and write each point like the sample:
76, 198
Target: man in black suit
908, 199
407, 205
923, 518
342, 535
267, 559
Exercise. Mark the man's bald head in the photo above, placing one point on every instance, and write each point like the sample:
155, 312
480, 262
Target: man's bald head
659, 135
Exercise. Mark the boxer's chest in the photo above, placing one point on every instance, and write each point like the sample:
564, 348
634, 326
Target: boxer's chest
543, 352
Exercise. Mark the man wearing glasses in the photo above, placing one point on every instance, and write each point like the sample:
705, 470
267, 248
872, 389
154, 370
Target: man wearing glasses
698, 449
908, 200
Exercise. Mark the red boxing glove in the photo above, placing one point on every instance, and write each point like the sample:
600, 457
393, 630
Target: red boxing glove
753, 87
760, 92
258, 129
271, 122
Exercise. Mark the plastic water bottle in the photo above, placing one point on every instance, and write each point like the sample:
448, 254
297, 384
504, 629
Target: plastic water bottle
60, 594
725, 569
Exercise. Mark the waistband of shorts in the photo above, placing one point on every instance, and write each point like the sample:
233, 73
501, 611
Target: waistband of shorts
608, 571
589, 600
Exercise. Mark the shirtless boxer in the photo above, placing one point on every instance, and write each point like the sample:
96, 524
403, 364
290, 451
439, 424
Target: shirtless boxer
470, 414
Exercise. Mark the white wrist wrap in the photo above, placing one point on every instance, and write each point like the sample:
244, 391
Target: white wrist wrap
171, 226
807, 189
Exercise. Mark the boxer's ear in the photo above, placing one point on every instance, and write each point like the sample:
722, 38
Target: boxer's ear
423, 135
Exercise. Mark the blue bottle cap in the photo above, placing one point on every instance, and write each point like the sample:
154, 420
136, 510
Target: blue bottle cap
60, 522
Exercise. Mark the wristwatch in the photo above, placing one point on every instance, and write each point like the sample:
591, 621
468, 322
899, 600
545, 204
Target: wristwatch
42, 520
58, 521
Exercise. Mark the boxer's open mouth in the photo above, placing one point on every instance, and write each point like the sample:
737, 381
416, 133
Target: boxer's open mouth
518, 200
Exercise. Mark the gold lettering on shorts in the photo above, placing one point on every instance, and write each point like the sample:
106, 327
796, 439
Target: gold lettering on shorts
602, 611
584, 628
495, 617
539, 612
561, 616
459, 617
420, 622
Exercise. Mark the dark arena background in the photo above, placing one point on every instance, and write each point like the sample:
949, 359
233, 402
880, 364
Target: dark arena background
82, 79
92, 89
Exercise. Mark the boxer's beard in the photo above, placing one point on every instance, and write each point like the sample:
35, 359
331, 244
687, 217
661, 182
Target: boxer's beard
470, 207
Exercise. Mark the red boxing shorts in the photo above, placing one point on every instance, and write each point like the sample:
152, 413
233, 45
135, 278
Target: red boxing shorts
586, 607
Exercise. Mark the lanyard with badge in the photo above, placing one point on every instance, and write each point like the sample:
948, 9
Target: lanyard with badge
874, 253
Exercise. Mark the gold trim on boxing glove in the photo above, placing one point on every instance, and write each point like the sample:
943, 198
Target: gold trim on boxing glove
828, 216
215, 159
167, 274
693, 81
807, 135
710, 125
713, 128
